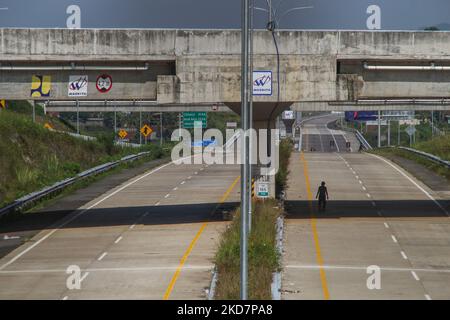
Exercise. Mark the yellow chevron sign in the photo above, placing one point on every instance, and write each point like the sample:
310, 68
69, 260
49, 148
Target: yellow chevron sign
2, 103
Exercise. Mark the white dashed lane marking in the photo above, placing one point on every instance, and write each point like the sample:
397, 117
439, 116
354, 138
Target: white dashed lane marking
394, 238
102, 256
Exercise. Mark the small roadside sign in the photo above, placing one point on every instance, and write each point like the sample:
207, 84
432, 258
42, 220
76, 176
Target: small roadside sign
262, 190
410, 130
3, 104
122, 134
146, 130
48, 126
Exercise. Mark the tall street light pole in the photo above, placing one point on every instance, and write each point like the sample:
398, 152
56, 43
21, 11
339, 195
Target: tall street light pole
244, 147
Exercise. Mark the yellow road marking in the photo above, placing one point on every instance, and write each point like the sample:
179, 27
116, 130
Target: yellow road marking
323, 277
193, 242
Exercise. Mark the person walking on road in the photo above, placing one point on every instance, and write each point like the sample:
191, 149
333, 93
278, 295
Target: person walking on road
322, 194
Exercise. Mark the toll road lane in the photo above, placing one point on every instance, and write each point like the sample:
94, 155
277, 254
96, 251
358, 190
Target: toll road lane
130, 242
376, 217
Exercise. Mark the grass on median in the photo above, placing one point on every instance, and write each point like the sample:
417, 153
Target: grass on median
286, 148
263, 257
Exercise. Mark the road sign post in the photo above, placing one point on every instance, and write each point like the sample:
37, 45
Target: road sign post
411, 131
245, 197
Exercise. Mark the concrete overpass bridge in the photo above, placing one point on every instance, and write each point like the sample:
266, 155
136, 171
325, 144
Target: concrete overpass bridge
175, 70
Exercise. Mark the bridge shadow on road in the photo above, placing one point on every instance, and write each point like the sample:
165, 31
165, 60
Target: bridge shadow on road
365, 209
118, 216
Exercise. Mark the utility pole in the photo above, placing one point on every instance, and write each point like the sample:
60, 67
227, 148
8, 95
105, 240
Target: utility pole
34, 111
244, 148
250, 118
140, 126
161, 128
432, 123
379, 128
78, 117
389, 133
115, 120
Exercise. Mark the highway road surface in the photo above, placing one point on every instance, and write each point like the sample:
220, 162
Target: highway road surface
378, 216
318, 135
153, 237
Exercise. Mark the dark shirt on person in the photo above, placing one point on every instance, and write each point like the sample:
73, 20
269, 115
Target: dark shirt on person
322, 193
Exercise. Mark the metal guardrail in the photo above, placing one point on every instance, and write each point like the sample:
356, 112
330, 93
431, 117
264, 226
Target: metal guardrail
366, 145
428, 156
37, 195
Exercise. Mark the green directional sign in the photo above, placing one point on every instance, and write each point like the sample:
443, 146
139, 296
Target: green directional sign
195, 120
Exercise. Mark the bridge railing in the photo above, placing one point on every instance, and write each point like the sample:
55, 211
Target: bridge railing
58, 186
428, 156
366, 145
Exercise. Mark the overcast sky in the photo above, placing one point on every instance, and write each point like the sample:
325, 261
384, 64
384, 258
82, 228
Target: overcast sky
326, 14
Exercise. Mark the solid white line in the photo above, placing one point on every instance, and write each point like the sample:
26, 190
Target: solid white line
404, 255
414, 183
84, 276
415, 275
394, 239
343, 267
386, 225
427, 296
186, 267
118, 239
102, 256
79, 214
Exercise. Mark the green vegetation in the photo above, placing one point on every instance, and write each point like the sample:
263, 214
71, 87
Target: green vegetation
262, 253
433, 166
286, 147
32, 157
438, 146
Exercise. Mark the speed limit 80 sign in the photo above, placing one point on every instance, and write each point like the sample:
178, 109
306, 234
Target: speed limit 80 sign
104, 83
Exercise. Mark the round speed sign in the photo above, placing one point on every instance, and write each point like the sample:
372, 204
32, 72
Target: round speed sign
104, 83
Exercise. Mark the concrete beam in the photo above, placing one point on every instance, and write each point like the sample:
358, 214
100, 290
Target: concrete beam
361, 106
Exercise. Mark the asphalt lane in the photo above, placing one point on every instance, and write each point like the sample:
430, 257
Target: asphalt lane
153, 237
318, 137
378, 215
